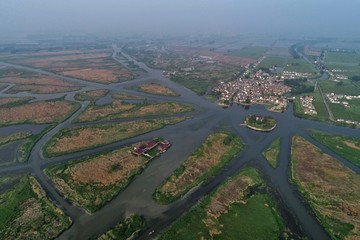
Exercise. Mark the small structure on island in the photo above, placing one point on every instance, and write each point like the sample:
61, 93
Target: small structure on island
152, 148
260, 123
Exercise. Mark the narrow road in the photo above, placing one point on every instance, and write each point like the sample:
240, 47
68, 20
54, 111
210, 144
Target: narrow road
328, 109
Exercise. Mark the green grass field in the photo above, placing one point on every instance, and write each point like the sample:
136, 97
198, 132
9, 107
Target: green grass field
26, 213
249, 52
271, 61
346, 87
125, 229
346, 147
349, 62
322, 114
197, 85
262, 221
272, 152
256, 217
300, 65
348, 113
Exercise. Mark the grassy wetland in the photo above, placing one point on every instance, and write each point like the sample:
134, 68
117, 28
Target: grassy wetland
321, 180
272, 152
75, 139
217, 150
27, 213
93, 181
121, 109
235, 210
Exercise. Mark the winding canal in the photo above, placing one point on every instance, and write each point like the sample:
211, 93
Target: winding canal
207, 118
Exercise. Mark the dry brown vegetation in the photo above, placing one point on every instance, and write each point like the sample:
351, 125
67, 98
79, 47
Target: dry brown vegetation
4, 101
14, 137
232, 192
210, 156
92, 66
37, 112
91, 182
197, 165
157, 89
118, 109
45, 53
352, 144
332, 189
41, 89
166, 108
37, 79
91, 95
123, 96
97, 75
94, 112
36, 83
216, 56
58, 61
80, 138
99, 170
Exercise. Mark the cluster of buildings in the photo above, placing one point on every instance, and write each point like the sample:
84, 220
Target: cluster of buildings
152, 148
261, 88
348, 122
294, 75
307, 105
338, 74
340, 98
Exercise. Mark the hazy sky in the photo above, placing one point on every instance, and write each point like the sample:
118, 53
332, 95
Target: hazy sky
301, 17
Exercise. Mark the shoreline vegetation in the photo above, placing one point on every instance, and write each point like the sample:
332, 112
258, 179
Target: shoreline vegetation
156, 89
125, 229
321, 183
91, 182
91, 95
260, 123
27, 213
122, 110
271, 154
42, 112
14, 137
208, 159
29, 143
346, 147
239, 207
77, 139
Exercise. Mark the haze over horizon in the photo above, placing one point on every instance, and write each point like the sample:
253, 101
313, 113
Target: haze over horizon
160, 17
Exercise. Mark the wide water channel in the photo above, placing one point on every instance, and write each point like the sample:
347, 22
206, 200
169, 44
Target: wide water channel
185, 137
